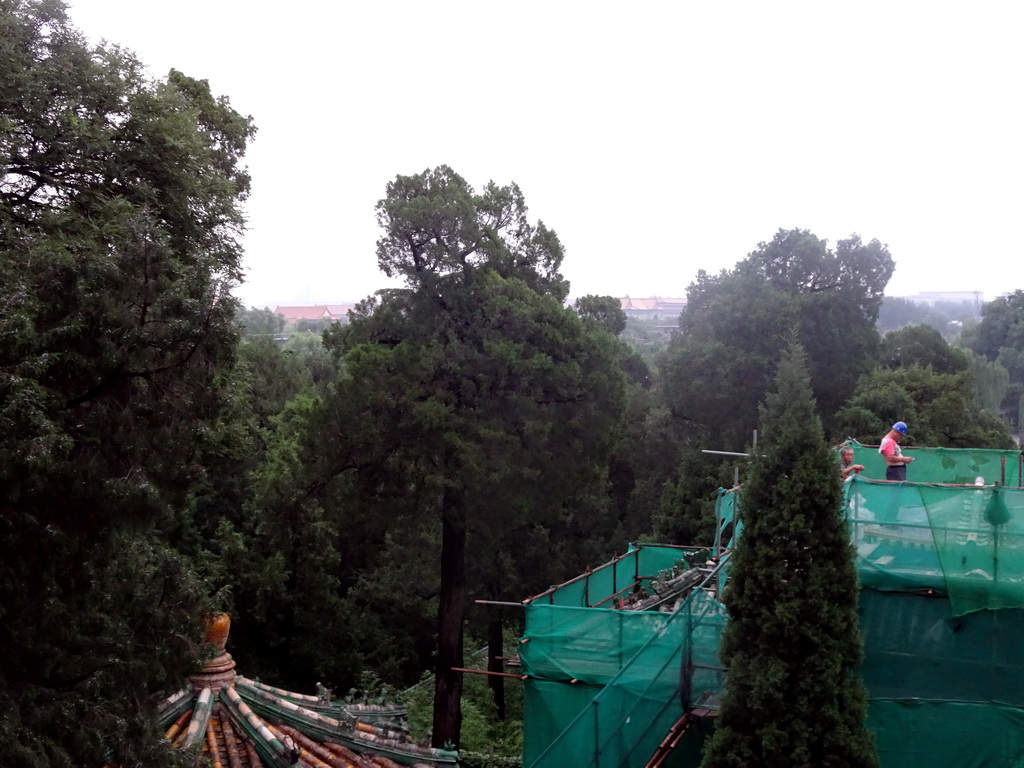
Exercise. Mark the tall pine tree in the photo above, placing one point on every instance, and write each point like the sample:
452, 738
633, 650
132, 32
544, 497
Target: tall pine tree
793, 694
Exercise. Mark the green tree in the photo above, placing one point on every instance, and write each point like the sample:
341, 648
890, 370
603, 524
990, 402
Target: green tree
731, 332
921, 345
313, 326
119, 223
991, 382
436, 227
472, 395
793, 696
941, 409
949, 318
1000, 337
260, 322
1002, 325
946, 394
605, 310
647, 337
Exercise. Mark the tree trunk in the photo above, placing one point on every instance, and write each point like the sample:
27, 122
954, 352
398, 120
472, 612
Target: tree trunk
450, 614
495, 650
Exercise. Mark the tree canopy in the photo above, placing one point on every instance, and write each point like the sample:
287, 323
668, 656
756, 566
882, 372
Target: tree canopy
732, 329
949, 396
472, 395
1000, 338
436, 226
119, 223
793, 696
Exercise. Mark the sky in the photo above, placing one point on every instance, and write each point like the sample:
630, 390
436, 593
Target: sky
657, 139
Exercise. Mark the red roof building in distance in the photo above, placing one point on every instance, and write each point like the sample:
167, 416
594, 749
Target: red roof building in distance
335, 312
653, 307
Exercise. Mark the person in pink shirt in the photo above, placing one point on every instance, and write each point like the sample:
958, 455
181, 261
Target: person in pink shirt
895, 461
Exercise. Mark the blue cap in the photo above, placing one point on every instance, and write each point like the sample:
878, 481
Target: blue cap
900, 427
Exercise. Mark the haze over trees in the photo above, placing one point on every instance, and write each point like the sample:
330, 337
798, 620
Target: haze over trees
346, 495
999, 338
949, 318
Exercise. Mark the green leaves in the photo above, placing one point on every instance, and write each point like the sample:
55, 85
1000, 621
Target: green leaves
735, 325
119, 217
1000, 338
941, 407
793, 697
437, 229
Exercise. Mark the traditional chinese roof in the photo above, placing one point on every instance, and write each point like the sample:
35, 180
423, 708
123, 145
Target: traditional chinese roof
241, 723
652, 304
314, 312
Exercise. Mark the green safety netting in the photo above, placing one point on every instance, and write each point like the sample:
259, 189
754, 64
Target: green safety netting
941, 563
965, 542
603, 585
583, 655
958, 466
627, 715
934, 734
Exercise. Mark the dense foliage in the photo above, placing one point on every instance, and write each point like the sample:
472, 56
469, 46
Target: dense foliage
999, 338
346, 493
938, 389
119, 218
793, 696
731, 332
473, 396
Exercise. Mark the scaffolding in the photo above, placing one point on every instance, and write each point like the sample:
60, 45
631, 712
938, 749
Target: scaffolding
941, 566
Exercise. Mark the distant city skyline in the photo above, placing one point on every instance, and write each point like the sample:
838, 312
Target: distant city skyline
924, 296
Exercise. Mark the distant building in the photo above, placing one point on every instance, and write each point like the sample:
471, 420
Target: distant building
654, 308
954, 297
337, 313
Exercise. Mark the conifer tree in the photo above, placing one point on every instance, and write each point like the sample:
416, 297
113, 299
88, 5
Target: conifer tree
120, 220
793, 693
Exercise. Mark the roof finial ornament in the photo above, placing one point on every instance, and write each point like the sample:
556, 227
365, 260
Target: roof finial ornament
220, 670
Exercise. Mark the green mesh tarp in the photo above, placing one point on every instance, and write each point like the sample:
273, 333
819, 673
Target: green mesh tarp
550, 708
957, 466
965, 542
603, 585
937, 734
915, 648
585, 644
942, 618
624, 723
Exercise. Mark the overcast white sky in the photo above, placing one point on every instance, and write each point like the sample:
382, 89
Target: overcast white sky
656, 138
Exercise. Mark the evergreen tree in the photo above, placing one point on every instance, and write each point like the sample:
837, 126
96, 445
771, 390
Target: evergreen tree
120, 213
793, 695
472, 396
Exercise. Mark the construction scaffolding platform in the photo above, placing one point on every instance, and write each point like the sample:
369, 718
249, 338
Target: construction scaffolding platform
941, 565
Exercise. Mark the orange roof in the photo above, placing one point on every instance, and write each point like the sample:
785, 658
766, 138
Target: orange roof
315, 312
241, 722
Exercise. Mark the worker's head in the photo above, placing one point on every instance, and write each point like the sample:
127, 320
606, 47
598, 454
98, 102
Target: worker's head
846, 455
900, 427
